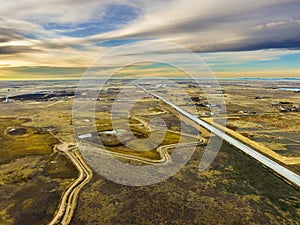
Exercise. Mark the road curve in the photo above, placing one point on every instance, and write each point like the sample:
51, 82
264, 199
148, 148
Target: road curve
285, 173
68, 202
164, 156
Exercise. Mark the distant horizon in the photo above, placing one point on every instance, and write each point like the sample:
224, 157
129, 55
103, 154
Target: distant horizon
221, 78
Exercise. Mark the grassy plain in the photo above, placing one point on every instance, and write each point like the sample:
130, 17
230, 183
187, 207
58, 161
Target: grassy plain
235, 189
32, 177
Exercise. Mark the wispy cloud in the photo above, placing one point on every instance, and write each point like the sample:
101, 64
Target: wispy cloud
236, 58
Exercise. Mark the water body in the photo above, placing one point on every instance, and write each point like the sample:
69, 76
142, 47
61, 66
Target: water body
290, 89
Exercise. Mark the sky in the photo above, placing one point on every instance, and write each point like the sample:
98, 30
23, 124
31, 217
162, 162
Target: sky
60, 39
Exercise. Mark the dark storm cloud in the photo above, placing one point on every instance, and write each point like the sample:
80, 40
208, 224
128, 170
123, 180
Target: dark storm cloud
7, 35
11, 50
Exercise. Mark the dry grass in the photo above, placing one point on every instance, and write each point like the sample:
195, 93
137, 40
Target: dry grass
259, 147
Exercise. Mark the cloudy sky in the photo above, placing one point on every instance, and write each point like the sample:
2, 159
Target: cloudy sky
59, 39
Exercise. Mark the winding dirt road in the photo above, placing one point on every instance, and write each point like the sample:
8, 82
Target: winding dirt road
162, 150
67, 206
69, 198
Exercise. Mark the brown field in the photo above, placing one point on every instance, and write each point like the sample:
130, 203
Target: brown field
252, 117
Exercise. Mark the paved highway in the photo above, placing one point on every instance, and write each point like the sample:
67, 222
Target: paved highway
282, 171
